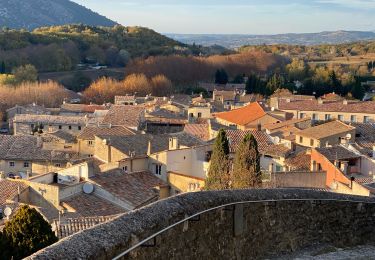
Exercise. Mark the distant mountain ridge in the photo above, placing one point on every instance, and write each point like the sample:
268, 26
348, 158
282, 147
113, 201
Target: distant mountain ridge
235, 40
31, 14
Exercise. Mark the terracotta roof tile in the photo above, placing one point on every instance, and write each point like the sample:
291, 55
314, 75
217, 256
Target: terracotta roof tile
337, 153
9, 190
236, 136
89, 205
299, 162
198, 130
328, 106
244, 115
121, 115
136, 188
325, 130
89, 133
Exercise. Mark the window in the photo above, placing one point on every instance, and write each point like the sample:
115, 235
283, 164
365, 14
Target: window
199, 115
366, 119
301, 139
340, 117
353, 118
311, 142
125, 168
12, 164
58, 165
90, 143
302, 115
314, 117
90, 155
328, 117
60, 127
157, 169
79, 128
191, 115
70, 127
26, 165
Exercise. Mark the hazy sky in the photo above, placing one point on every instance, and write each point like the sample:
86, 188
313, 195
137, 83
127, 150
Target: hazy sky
239, 16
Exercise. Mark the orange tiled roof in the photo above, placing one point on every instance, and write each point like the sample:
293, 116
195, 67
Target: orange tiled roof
243, 115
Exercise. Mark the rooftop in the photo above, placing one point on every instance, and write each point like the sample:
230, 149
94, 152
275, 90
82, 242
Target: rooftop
236, 136
139, 143
337, 153
200, 131
81, 108
138, 188
89, 132
51, 119
122, 115
367, 107
9, 189
59, 136
326, 130
89, 205
299, 162
244, 115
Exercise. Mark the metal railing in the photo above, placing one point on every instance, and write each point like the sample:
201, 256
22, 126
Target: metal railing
139, 244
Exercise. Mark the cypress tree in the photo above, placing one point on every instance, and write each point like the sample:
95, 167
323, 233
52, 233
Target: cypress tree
27, 232
246, 168
218, 173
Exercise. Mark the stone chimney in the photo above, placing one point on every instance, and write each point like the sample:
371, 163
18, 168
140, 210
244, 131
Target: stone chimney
149, 148
345, 102
373, 152
320, 101
173, 143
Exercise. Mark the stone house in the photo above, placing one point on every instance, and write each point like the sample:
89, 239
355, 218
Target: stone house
327, 134
25, 124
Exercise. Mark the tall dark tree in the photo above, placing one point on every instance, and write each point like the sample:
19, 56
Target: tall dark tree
274, 83
27, 232
358, 91
218, 173
239, 79
221, 77
2, 68
335, 83
246, 167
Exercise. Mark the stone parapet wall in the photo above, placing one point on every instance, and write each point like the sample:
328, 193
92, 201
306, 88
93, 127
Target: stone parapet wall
289, 219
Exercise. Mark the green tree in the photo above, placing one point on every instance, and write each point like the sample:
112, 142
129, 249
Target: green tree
246, 167
27, 232
239, 79
297, 70
221, 77
255, 85
218, 173
334, 82
358, 91
4, 247
2, 68
274, 83
26, 73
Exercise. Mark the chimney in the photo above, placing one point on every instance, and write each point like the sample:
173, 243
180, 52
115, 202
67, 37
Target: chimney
373, 152
288, 100
345, 102
39, 142
320, 101
149, 148
259, 127
173, 143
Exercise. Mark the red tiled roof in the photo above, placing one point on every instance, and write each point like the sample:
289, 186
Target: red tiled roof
236, 136
122, 115
326, 130
328, 106
198, 130
136, 188
89, 205
244, 115
9, 190
89, 133
299, 162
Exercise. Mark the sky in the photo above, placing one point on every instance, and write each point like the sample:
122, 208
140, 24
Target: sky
239, 16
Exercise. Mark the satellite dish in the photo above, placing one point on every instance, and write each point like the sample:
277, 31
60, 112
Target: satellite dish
7, 212
348, 136
277, 140
88, 188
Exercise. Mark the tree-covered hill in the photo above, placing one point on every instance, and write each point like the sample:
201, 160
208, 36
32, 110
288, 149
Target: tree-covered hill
30, 14
61, 48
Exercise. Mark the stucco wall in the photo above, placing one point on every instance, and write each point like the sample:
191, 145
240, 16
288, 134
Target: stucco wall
252, 231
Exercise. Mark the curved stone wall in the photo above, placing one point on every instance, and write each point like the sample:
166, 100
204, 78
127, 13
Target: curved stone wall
253, 230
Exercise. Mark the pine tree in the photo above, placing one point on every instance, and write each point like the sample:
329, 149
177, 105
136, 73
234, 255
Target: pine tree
218, 173
246, 168
221, 77
358, 91
27, 232
2, 68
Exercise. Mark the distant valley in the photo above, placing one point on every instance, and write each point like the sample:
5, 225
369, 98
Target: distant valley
234, 41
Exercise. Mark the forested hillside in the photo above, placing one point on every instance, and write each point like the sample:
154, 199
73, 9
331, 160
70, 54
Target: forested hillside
30, 14
61, 48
